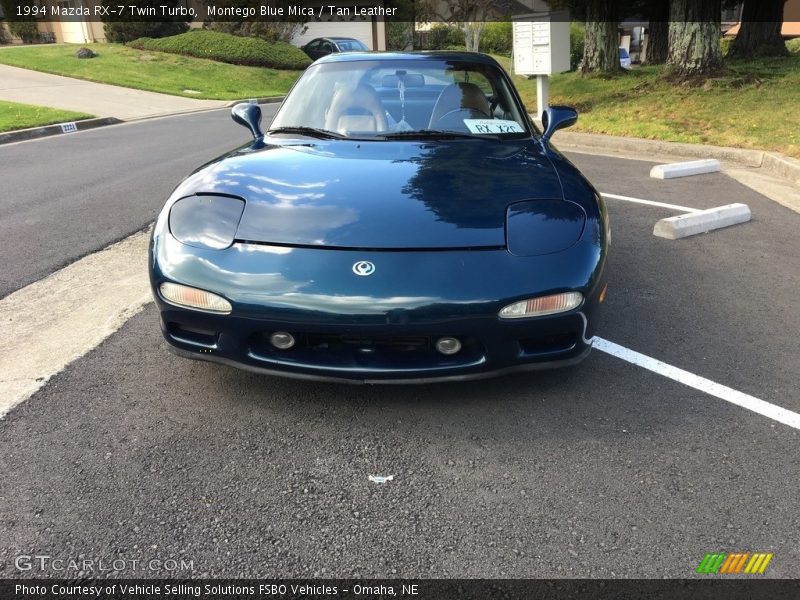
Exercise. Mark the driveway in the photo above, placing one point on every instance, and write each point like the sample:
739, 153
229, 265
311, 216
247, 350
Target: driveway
101, 100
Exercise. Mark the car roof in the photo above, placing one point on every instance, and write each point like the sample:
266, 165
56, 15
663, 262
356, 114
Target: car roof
474, 57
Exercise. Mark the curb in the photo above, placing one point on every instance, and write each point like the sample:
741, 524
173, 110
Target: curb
611, 143
20, 135
773, 163
265, 100
57, 129
783, 166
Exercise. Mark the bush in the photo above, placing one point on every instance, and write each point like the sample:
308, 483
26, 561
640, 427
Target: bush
270, 31
497, 38
24, 30
227, 48
439, 37
725, 44
399, 35
127, 31
793, 46
577, 36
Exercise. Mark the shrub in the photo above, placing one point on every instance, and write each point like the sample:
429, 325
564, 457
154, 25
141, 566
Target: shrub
577, 36
227, 48
793, 46
126, 31
399, 35
440, 36
271, 31
725, 44
25, 30
497, 38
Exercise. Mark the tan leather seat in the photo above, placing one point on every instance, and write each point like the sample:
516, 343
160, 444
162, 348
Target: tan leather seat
457, 96
346, 100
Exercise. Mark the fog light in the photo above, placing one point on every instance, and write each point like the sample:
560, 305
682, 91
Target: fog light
282, 340
189, 297
543, 305
448, 345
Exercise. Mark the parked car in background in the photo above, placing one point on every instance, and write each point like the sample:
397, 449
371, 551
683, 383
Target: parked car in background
319, 47
624, 58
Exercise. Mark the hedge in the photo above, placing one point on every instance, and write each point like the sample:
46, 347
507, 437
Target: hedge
223, 47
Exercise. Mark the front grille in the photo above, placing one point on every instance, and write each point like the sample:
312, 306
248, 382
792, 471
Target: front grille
404, 352
398, 343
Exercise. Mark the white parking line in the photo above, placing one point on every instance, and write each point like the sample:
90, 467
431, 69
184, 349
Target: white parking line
650, 203
771, 411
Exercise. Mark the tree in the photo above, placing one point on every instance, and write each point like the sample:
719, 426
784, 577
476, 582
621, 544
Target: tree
469, 16
601, 45
657, 13
694, 37
760, 30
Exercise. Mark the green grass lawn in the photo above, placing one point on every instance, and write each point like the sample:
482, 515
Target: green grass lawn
21, 116
756, 104
153, 71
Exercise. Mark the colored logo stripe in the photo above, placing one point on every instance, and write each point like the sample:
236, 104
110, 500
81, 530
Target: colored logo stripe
724, 563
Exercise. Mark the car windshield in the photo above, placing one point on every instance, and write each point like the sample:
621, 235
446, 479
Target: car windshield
389, 99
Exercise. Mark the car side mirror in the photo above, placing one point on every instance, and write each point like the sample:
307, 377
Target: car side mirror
248, 115
557, 117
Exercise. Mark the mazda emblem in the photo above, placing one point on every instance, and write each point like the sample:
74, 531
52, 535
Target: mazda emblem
363, 268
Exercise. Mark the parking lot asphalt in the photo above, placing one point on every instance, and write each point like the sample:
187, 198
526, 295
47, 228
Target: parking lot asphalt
70, 195
601, 470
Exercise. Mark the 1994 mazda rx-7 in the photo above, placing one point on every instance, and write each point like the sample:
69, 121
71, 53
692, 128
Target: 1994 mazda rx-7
401, 220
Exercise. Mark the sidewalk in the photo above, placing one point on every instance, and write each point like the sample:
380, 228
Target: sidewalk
99, 99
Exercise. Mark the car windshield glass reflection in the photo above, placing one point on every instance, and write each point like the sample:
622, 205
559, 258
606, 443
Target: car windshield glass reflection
384, 100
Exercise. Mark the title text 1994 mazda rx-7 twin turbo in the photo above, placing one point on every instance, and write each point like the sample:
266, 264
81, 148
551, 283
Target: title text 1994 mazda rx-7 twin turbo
400, 220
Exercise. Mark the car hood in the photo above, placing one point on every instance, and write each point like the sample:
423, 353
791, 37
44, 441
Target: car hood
379, 194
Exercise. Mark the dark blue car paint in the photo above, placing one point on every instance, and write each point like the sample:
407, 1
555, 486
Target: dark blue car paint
443, 222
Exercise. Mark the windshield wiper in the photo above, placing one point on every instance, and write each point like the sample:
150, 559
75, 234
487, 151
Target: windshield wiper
309, 131
429, 134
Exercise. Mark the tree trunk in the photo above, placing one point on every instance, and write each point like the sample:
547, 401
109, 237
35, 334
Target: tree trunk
472, 35
657, 43
760, 30
658, 33
601, 46
694, 37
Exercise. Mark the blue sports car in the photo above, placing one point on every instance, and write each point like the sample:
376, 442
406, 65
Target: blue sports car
401, 220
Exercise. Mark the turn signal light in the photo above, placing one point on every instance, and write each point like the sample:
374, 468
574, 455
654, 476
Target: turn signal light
189, 297
543, 305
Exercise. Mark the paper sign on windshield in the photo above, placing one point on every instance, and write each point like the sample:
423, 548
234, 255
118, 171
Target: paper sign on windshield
493, 126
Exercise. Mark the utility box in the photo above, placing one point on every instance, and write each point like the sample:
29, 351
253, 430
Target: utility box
541, 43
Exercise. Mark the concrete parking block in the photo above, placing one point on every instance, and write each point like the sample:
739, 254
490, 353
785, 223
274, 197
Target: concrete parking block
685, 169
703, 221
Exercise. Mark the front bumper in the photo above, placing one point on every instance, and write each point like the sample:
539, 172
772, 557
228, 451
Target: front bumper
380, 328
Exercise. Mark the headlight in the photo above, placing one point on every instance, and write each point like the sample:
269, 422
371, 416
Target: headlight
183, 295
206, 221
537, 227
543, 305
